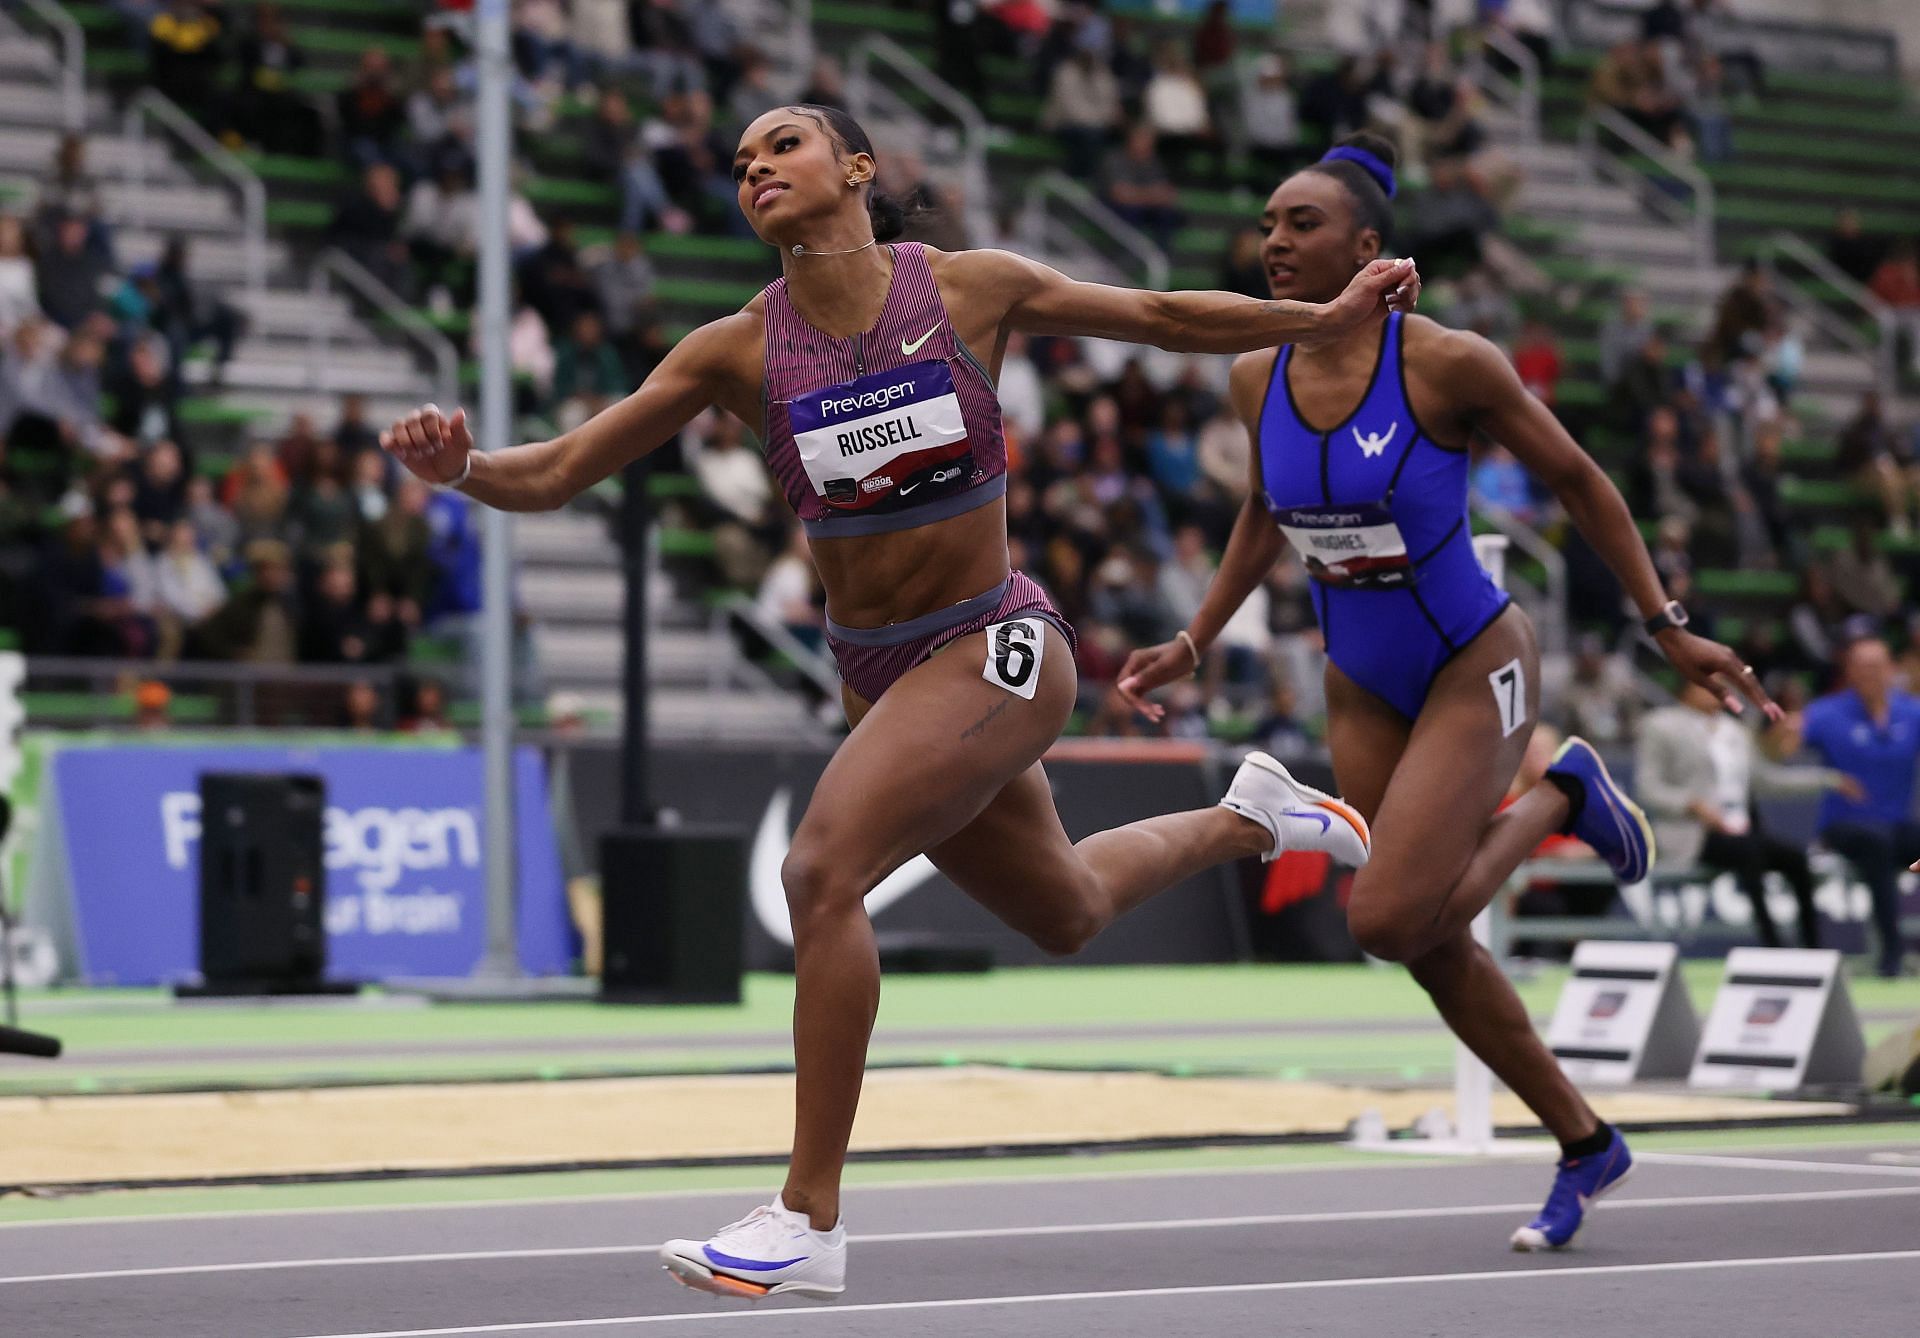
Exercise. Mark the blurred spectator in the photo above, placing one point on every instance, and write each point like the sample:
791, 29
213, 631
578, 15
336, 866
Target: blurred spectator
1448, 220
321, 515
1536, 359
1871, 731
734, 480
441, 230
1601, 701
184, 54
1896, 281
424, 707
1501, 481
69, 273
298, 450
788, 593
1876, 459
1136, 186
530, 352
1441, 101
623, 283
614, 153
371, 114
1816, 617
588, 374
1023, 403
1629, 79
694, 162
361, 709
367, 486
1741, 317
353, 434
258, 625
266, 109
453, 551
1269, 118
215, 528
1645, 383
1697, 770
143, 398
1482, 304
189, 313
1244, 268
1862, 578
554, 281
333, 626
1852, 251
19, 292
396, 552
1334, 103
961, 32
1624, 333
366, 225
1761, 477
187, 585
439, 124
1280, 729
160, 492
826, 84
753, 93
152, 705
1175, 105
256, 492
1186, 574
1707, 111
1083, 111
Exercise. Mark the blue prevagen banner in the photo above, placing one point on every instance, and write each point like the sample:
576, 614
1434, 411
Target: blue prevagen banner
405, 848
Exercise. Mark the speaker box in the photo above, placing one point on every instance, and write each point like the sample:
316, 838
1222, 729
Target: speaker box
673, 914
262, 884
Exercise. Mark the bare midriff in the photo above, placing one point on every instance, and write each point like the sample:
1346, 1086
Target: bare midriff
875, 579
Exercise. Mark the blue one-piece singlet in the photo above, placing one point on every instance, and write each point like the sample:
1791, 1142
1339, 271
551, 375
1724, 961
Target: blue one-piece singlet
1379, 514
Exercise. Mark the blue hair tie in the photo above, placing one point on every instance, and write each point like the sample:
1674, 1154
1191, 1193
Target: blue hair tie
1369, 163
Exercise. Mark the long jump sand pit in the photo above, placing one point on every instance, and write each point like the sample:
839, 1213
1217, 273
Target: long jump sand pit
65, 1140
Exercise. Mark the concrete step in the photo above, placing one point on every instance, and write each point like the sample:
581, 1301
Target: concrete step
217, 260
1552, 199
574, 593
577, 656
571, 538
1636, 242
31, 150
34, 102
275, 405
294, 314
397, 378
1683, 285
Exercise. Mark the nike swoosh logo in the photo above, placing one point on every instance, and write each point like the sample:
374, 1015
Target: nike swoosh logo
914, 347
911, 486
1321, 818
769, 895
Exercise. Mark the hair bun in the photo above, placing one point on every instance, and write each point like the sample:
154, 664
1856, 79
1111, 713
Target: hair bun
1378, 145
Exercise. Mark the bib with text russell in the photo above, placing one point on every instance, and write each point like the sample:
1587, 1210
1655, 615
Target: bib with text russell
881, 436
1356, 547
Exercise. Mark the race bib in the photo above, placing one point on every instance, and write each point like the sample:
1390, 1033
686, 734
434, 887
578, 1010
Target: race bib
1356, 547
1013, 655
882, 435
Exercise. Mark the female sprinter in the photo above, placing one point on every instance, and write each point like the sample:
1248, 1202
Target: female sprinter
1360, 462
863, 369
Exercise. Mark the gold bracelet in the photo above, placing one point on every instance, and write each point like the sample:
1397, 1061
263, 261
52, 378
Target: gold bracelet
1186, 639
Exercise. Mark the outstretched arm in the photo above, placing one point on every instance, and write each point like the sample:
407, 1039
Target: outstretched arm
1252, 549
544, 475
1505, 410
1040, 300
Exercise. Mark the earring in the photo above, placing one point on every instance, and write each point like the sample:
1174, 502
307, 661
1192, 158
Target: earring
853, 181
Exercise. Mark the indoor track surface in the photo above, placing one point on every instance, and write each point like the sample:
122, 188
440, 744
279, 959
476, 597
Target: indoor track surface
1764, 1233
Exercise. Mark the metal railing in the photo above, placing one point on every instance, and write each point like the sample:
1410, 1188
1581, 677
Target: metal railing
68, 70
1041, 230
1519, 94
149, 105
1550, 616
811, 664
1603, 127
244, 695
1821, 315
876, 104
334, 264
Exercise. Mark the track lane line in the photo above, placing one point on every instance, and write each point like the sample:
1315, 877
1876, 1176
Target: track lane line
983, 1233
1150, 1293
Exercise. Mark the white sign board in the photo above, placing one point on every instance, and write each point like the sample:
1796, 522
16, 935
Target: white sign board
1624, 1015
1783, 1020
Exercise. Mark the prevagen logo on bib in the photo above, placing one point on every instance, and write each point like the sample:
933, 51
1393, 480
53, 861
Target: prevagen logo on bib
871, 399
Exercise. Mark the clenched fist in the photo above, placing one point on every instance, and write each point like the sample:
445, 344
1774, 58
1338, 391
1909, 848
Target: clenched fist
430, 444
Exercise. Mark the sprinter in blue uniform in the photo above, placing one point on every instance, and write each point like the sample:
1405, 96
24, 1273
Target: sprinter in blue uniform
1360, 462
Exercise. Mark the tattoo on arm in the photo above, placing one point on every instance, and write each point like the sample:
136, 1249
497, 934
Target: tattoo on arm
979, 727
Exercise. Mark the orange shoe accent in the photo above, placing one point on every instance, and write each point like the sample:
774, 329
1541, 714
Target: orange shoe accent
739, 1287
1354, 820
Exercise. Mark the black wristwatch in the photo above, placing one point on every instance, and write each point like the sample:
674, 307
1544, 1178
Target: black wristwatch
1673, 615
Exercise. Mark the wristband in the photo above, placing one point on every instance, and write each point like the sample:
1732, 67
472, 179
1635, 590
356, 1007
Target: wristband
1186, 639
454, 485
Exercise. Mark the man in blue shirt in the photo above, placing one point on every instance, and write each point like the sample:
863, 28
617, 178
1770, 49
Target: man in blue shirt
1871, 730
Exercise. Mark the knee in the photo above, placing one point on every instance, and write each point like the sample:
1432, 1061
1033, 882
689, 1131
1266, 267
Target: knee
817, 886
1066, 935
1381, 931
1441, 965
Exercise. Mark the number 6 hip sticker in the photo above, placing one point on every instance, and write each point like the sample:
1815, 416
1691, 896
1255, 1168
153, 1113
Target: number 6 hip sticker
1013, 655
1510, 695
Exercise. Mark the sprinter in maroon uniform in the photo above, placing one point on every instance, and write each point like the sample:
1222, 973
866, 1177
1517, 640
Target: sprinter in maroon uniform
868, 372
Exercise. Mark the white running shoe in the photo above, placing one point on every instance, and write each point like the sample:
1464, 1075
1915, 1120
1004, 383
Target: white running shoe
769, 1251
1298, 816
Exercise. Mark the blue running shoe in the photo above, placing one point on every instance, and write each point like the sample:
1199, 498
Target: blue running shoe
1608, 820
1580, 1182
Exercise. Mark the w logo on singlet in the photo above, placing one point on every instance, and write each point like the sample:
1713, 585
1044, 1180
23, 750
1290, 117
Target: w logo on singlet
1374, 443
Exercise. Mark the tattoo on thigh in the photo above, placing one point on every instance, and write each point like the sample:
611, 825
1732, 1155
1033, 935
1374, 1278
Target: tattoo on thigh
979, 727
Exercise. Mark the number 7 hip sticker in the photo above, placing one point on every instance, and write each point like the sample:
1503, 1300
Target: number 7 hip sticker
1510, 695
1013, 655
